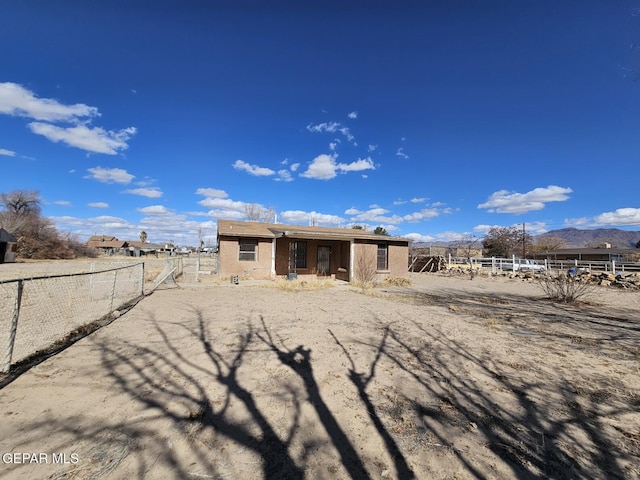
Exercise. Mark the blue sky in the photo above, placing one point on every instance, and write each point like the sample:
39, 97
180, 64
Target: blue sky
435, 120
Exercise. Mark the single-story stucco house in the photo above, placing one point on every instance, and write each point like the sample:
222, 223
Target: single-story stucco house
8, 247
266, 251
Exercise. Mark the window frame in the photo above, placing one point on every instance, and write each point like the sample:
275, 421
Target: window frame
382, 247
300, 259
250, 254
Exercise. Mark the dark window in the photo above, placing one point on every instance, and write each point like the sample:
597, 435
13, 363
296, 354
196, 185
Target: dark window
383, 257
300, 254
248, 250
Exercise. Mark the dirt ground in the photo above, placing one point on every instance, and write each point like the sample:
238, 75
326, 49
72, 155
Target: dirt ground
446, 379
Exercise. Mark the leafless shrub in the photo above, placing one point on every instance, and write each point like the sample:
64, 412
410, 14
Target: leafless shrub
565, 288
364, 272
301, 285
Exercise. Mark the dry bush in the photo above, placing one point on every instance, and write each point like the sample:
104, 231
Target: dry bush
397, 282
565, 288
299, 285
364, 272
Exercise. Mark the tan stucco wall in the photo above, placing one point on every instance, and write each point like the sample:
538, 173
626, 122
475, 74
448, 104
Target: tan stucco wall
229, 250
398, 256
398, 260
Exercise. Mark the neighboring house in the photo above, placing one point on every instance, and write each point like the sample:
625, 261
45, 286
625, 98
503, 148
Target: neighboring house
137, 249
266, 251
8, 247
107, 245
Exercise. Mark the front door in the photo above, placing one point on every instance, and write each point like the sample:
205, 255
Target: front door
324, 260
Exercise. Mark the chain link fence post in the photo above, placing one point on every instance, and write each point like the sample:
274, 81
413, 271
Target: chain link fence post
14, 328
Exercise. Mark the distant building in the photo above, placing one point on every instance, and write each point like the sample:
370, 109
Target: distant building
8, 247
107, 245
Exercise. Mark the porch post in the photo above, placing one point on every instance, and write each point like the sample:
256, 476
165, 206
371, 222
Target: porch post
273, 258
352, 252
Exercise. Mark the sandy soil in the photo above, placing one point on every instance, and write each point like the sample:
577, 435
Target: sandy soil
446, 379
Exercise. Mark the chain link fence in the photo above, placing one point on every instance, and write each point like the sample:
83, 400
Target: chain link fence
36, 313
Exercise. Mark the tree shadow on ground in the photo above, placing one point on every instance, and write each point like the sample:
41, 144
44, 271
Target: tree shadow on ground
532, 437
616, 328
199, 393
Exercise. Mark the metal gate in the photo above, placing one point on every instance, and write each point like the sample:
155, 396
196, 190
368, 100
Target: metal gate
324, 260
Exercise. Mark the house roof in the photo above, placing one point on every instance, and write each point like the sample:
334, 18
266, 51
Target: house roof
101, 238
275, 230
146, 246
106, 244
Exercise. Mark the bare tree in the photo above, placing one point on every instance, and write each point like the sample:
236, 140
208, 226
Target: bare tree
21, 208
364, 272
506, 241
257, 213
37, 236
468, 243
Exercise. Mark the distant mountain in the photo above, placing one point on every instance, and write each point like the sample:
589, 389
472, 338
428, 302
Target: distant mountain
576, 238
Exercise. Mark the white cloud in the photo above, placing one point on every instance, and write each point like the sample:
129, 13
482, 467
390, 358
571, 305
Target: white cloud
110, 175
101, 224
149, 192
419, 238
345, 131
331, 127
98, 205
7, 153
212, 192
324, 127
424, 214
417, 200
253, 169
482, 228
504, 201
372, 148
535, 228
619, 217
284, 176
294, 167
373, 215
91, 139
357, 166
225, 214
223, 203
353, 115
333, 146
400, 153
324, 167
17, 101
64, 203
399, 202
299, 217
154, 210
577, 222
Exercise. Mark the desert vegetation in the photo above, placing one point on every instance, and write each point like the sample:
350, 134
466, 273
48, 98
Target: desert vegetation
20, 215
